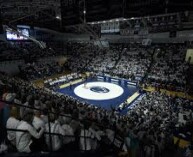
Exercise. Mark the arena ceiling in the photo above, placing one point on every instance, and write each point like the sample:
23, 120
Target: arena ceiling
43, 13
72, 15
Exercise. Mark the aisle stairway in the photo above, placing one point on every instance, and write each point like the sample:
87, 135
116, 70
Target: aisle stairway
120, 56
152, 61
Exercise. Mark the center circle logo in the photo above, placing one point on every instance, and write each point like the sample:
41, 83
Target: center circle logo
99, 89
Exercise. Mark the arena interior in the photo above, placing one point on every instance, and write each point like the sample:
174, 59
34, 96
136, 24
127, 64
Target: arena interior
110, 78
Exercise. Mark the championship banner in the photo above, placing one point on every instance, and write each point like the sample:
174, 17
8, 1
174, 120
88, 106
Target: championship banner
110, 27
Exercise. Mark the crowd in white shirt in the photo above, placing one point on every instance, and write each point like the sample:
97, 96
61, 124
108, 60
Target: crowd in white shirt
166, 68
170, 68
134, 62
119, 60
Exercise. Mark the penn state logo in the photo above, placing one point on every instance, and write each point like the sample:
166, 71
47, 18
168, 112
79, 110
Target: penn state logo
99, 89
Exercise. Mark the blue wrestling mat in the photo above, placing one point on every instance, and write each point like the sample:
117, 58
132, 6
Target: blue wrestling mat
104, 92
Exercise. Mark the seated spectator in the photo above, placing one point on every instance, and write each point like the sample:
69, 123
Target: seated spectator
38, 123
56, 128
88, 137
12, 123
24, 142
68, 132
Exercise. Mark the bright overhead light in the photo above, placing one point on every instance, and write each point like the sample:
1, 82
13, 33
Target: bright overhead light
104, 21
84, 11
57, 17
117, 20
132, 18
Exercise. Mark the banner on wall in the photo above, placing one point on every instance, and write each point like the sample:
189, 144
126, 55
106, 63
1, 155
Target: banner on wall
110, 27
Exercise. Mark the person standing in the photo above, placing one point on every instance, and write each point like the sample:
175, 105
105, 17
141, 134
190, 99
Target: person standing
70, 86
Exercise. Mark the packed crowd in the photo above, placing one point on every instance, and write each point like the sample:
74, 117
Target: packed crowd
9, 52
104, 61
158, 117
170, 68
37, 70
134, 62
164, 67
20, 92
149, 125
118, 60
26, 50
81, 54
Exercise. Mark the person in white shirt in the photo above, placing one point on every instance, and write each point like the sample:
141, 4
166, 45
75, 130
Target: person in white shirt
97, 137
110, 134
37, 120
89, 137
24, 141
12, 123
85, 139
56, 128
38, 123
68, 132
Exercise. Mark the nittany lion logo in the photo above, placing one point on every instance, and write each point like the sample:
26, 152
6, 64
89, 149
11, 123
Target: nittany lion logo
99, 89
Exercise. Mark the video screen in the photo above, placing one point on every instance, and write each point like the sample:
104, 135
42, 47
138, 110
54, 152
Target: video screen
14, 36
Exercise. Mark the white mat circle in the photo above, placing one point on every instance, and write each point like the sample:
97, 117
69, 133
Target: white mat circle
105, 91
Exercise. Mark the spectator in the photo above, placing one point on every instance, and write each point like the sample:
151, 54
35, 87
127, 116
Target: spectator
12, 123
24, 141
56, 128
